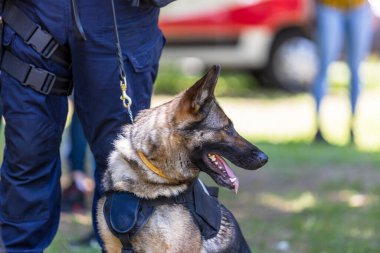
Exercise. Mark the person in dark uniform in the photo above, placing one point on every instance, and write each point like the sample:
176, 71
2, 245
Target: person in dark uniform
70, 43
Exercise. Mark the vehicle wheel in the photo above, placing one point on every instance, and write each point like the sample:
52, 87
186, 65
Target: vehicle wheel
293, 62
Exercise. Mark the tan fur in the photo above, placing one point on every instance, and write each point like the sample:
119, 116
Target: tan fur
160, 236
159, 134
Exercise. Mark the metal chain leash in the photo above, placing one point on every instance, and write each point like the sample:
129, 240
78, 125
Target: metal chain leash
126, 100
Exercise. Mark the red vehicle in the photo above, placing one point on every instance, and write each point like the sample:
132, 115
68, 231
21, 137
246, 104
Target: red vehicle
268, 37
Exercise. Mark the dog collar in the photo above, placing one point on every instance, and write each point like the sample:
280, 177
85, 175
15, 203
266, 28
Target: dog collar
150, 166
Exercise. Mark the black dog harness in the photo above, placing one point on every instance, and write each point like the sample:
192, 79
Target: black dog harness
126, 214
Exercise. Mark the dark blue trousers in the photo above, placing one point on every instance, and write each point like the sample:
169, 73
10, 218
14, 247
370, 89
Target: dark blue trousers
30, 173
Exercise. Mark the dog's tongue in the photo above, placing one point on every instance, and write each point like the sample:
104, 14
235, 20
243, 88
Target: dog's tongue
230, 173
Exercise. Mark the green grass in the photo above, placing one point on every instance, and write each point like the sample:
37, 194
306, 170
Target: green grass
317, 155
317, 198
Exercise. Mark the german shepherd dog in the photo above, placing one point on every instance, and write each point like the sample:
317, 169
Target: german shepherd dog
162, 154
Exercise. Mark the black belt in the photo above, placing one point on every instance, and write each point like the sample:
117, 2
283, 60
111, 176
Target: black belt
38, 79
33, 35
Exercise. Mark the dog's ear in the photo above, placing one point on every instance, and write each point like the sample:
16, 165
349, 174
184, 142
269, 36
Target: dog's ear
202, 92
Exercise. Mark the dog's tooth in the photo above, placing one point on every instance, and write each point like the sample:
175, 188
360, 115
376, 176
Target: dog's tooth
220, 167
233, 180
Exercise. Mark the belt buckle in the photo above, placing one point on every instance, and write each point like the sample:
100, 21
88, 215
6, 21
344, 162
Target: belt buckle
40, 80
42, 42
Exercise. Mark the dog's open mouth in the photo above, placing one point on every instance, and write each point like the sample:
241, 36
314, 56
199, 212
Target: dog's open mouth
224, 174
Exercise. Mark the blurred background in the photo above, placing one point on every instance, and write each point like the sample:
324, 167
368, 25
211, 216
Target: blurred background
313, 196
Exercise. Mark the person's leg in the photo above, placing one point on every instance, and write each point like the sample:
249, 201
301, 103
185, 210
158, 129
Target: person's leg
30, 173
77, 156
329, 41
358, 38
78, 145
96, 74
74, 196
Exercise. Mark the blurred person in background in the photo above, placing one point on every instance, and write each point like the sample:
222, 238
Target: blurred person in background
74, 196
348, 23
82, 186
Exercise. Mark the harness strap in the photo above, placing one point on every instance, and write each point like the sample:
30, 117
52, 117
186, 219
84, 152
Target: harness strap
126, 214
38, 79
126, 242
184, 198
33, 35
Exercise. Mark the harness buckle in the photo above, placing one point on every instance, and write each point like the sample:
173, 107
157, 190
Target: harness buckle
42, 42
39, 79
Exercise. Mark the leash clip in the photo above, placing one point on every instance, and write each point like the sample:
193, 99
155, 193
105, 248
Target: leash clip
127, 101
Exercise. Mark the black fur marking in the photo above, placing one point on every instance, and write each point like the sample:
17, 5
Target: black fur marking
180, 160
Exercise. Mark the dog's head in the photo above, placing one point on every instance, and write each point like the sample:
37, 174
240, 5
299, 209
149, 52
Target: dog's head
209, 135
170, 144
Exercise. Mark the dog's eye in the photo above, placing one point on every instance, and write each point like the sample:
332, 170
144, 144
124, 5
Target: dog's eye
227, 129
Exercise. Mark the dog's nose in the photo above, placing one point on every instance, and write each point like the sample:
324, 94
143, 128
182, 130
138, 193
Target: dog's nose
263, 158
